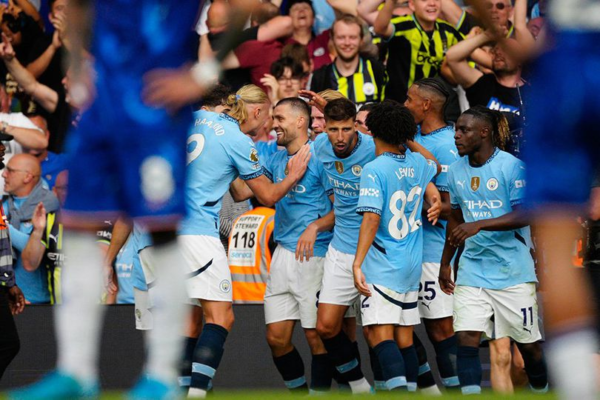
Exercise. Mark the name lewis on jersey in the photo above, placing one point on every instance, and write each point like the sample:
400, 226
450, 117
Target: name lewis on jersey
405, 172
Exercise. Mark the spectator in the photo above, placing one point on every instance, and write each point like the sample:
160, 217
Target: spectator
20, 29
45, 61
359, 79
285, 80
503, 90
303, 18
25, 133
56, 103
317, 102
361, 118
299, 54
417, 44
52, 164
245, 55
25, 190
500, 13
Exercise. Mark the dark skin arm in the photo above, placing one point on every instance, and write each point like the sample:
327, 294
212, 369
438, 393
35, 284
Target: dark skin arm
445, 277
507, 222
16, 300
368, 230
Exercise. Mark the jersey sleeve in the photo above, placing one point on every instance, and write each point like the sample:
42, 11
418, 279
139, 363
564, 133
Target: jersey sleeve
267, 165
446, 156
454, 200
517, 184
244, 157
323, 177
371, 192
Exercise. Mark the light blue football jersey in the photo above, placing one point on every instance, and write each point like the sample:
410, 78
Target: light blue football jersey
124, 269
218, 152
344, 177
305, 203
441, 144
141, 239
499, 259
393, 187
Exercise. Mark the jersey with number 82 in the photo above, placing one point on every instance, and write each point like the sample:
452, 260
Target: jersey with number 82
393, 187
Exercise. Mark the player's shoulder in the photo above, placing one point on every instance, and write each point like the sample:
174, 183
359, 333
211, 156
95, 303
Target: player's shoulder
365, 142
319, 145
508, 162
459, 165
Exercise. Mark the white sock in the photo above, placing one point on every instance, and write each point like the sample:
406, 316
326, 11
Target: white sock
572, 365
360, 386
432, 390
78, 319
196, 393
165, 344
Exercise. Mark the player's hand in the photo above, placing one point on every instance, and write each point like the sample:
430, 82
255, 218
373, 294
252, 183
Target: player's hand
16, 300
38, 219
172, 89
298, 164
463, 232
360, 283
445, 279
109, 283
434, 211
306, 243
313, 99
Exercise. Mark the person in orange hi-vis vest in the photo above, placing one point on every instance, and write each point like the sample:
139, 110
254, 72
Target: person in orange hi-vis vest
250, 249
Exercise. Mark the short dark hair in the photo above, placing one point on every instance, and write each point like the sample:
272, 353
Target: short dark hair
297, 104
291, 3
496, 122
279, 66
217, 96
391, 122
296, 51
435, 86
340, 110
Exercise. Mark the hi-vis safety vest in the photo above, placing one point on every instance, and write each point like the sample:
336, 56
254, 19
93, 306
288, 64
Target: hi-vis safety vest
249, 255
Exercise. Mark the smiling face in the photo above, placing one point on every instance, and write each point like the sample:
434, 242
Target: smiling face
342, 135
285, 124
426, 11
346, 40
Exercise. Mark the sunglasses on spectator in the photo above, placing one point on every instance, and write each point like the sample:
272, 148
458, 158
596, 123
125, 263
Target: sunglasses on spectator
499, 6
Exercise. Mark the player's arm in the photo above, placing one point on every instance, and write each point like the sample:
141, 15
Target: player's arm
383, 26
457, 58
445, 277
34, 250
513, 220
433, 198
239, 191
368, 230
45, 96
269, 193
306, 243
419, 148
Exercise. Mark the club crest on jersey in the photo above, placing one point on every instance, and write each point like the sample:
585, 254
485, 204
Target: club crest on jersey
475, 181
492, 184
356, 170
225, 286
253, 155
339, 167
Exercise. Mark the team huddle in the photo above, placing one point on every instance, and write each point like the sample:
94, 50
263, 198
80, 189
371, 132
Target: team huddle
367, 228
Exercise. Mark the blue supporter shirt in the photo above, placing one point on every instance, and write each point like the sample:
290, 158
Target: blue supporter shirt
52, 165
492, 259
218, 152
305, 203
441, 144
344, 177
393, 186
